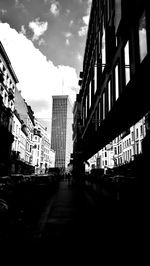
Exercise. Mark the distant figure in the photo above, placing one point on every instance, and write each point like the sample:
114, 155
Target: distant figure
69, 178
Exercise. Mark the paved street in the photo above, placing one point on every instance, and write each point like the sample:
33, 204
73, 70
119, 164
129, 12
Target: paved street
72, 219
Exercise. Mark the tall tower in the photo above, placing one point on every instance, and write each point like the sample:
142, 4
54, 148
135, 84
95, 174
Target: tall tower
61, 130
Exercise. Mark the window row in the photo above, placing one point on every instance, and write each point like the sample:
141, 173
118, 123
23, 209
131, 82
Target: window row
114, 87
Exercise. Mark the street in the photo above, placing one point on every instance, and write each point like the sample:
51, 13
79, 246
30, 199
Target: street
66, 219
50, 215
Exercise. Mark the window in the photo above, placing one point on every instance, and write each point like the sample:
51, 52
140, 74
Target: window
95, 70
86, 106
103, 48
95, 77
109, 96
103, 105
90, 90
108, 10
142, 37
99, 113
132, 136
117, 13
137, 148
116, 82
120, 148
141, 129
137, 133
127, 63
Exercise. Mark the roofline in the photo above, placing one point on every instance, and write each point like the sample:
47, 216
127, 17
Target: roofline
7, 60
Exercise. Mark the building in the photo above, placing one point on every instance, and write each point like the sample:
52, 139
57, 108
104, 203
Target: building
103, 159
61, 134
122, 150
52, 158
8, 81
114, 80
129, 144
18, 149
43, 155
26, 117
20, 135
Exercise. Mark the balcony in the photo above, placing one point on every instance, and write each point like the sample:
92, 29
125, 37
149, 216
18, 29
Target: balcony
81, 75
24, 129
80, 82
37, 132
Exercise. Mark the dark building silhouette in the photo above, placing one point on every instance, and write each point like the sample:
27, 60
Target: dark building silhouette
61, 134
8, 82
114, 81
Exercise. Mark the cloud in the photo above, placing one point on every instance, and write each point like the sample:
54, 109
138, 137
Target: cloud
41, 42
3, 11
82, 31
68, 35
68, 12
38, 27
71, 23
85, 20
67, 42
19, 5
23, 30
39, 78
79, 57
54, 7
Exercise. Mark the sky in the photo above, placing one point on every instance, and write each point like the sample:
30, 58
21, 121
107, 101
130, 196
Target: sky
45, 42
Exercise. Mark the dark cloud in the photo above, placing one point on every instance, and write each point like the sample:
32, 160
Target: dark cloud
55, 48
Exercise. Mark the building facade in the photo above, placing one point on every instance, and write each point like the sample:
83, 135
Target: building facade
61, 136
122, 150
20, 136
43, 155
113, 83
8, 81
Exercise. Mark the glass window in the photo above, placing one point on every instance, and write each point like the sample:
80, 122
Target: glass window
90, 89
117, 13
127, 62
109, 96
132, 136
141, 128
86, 106
95, 70
104, 105
137, 133
142, 37
103, 48
108, 9
116, 82
99, 113
95, 77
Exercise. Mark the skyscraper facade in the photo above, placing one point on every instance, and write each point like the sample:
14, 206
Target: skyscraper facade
61, 130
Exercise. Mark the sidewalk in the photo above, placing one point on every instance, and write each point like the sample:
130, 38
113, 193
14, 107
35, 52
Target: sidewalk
76, 224
69, 217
